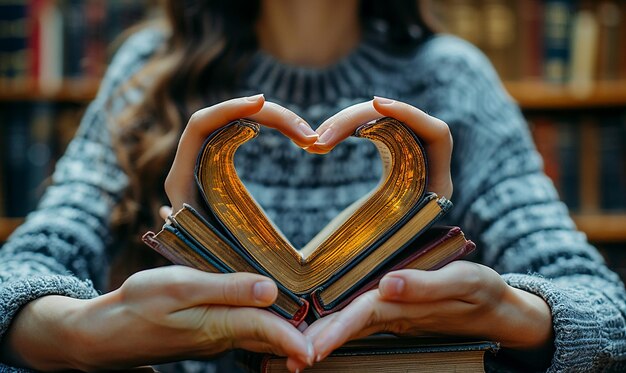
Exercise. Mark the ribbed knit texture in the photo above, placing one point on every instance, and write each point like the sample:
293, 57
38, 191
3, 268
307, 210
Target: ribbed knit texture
503, 201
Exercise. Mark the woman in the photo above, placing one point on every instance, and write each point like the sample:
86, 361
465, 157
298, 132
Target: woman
553, 306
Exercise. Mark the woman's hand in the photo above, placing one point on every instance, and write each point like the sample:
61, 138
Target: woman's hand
179, 184
433, 132
159, 315
460, 299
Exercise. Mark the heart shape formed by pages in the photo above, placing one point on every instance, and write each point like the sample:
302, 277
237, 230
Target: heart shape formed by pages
368, 238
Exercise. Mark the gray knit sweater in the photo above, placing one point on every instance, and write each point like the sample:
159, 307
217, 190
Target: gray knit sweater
503, 201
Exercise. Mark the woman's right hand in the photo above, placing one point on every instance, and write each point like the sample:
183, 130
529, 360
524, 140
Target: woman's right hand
179, 184
159, 315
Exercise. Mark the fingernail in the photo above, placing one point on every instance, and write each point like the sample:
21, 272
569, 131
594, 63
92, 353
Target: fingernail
263, 291
310, 353
318, 358
254, 98
306, 130
383, 101
297, 370
328, 135
391, 286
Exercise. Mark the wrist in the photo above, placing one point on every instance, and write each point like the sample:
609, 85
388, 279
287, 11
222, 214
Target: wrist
530, 320
41, 335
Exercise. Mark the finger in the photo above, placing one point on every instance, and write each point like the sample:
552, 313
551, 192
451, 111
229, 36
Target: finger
435, 135
341, 125
179, 182
189, 287
295, 365
347, 324
165, 212
291, 125
248, 324
458, 280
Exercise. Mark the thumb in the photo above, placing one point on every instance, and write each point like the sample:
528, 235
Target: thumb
165, 212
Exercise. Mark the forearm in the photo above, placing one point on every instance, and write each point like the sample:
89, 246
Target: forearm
40, 336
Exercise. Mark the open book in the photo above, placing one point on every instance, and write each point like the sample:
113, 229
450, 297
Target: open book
385, 230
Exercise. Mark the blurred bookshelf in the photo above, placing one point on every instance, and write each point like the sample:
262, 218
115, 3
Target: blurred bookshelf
563, 61
53, 54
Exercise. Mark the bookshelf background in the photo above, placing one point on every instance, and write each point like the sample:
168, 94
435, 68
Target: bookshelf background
563, 61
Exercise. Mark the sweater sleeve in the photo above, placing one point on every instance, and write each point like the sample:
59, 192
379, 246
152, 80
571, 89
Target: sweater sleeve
507, 205
61, 247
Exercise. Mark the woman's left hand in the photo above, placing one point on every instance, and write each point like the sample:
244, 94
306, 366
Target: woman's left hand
460, 299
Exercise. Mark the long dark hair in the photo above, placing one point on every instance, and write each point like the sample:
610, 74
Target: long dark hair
207, 45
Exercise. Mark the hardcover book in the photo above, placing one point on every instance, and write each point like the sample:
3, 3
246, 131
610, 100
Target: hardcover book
385, 353
389, 228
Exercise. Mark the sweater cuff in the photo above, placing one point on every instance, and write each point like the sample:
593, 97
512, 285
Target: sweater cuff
17, 293
581, 323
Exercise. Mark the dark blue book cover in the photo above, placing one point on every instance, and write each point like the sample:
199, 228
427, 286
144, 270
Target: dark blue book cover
13, 39
569, 160
613, 164
15, 144
558, 15
74, 37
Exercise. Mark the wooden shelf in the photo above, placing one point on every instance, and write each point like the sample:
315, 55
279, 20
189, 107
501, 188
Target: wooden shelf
73, 91
530, 95
537, 95
7, 226
602, 227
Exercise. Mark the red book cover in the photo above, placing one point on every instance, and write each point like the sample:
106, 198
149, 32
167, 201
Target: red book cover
35, 9
430, 241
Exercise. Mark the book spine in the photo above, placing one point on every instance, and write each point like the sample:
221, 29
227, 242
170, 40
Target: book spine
464, 17
557, 26
501, 41
51, 52
74, 37
95, 47
609, 14
3, 172
584, 46
546, 136
613, 165
622, 40
35, 8
569, 147
585, 151
531, 38
39, 152
16, 166
13, 40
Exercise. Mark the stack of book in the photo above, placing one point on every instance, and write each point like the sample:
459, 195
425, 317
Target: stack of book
390, 228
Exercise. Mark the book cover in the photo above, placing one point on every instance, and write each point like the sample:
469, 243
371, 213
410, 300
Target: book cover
386, 353
557, 34
530, 32
613, 164
609, 21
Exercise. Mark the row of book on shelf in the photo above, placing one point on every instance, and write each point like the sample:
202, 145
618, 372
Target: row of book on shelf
585, 156
560, 41
46, 41
32, 137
